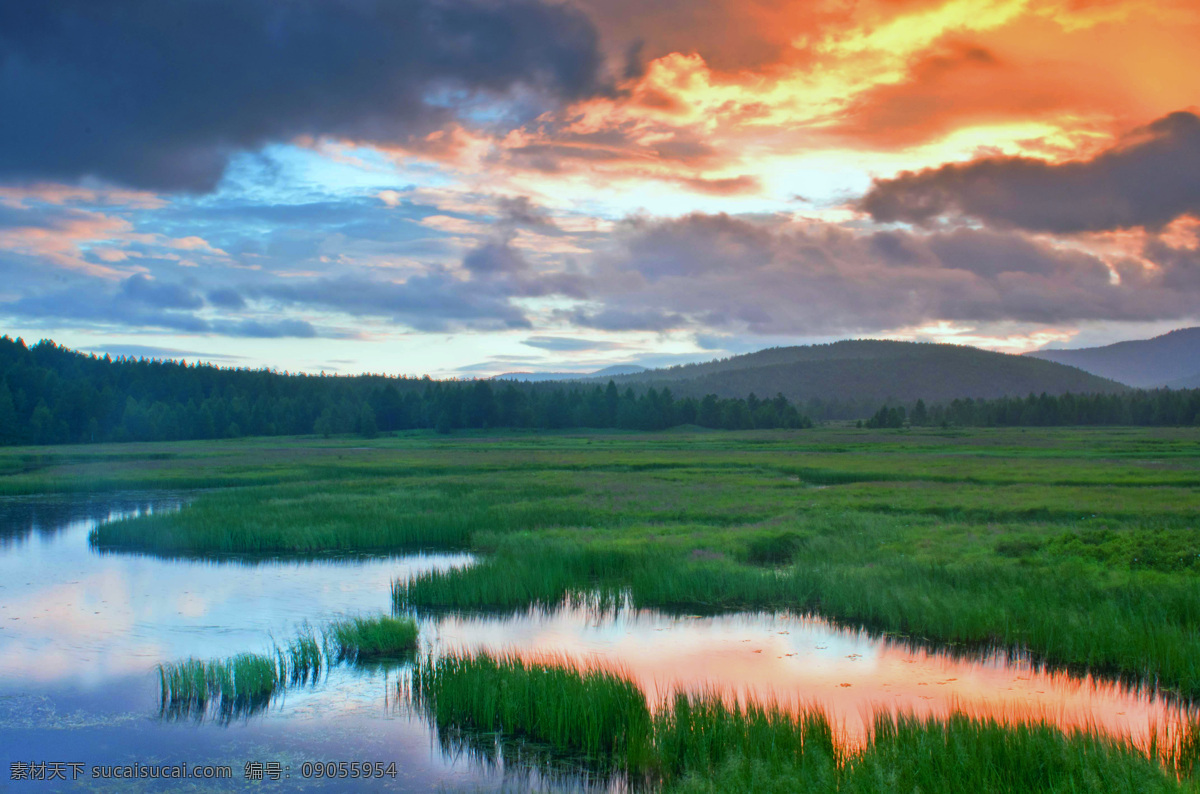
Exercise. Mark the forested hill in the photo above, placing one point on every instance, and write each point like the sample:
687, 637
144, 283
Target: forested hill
862, 372
1169, 360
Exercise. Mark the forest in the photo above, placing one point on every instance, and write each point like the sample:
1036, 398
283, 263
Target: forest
1144, 407
50, 394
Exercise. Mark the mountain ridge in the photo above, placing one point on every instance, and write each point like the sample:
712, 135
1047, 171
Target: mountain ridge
1171, 359
874, 370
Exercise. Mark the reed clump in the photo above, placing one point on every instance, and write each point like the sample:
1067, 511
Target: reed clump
360, 639
591, 712
301, 661
237, 686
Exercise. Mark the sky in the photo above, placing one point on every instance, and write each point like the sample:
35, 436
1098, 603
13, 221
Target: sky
462, 188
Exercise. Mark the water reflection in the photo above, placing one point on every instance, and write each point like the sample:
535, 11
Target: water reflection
70, 615
81, 634
22, 518
803, 661
527, 765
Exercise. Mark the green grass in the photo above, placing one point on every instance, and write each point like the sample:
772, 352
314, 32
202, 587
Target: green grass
301, 661
361, 639
236, 686
707, 742
356, 516
594, 713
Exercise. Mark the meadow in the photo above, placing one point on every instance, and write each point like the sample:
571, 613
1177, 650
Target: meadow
1080, 547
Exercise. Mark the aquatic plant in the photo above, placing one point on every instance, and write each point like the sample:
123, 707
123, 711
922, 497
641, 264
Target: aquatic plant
301, 661
592, 712
361, 638
237, 686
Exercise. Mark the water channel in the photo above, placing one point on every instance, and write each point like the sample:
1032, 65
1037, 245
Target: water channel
81, 632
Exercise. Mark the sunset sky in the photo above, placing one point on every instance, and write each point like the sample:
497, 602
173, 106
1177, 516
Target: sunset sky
468, 187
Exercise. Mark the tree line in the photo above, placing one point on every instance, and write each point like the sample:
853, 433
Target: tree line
1146, 407
50, 395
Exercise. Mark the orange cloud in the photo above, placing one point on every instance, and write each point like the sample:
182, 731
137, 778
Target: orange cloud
61, 241
723, 98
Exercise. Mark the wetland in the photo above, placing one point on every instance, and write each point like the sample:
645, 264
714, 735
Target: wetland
853, 610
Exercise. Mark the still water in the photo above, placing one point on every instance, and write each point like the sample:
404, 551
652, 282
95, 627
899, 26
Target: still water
81, 632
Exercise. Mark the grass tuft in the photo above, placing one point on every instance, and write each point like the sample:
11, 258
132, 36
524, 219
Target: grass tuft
238, 686
360, 639
594, 712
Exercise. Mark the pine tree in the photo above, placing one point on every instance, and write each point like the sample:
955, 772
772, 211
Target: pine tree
9, 426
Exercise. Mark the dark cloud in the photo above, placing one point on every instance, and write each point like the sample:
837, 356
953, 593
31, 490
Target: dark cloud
721, 274
143, 304
497, 266
226, 298
1180, 267
1149, 180
433, 302
494, 257
747, 34
520, 211
161, 94
275, 329
143, 289
647, 319
559, 148
89, 305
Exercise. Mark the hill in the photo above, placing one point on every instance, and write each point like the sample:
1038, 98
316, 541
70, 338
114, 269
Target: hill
872, 371
1169, 360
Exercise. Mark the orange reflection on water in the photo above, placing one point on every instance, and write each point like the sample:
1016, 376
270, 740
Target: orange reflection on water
804, 662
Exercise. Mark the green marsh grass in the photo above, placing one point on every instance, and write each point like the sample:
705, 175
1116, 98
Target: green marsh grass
710, 743
594, 713
354, 517
301, 661
361, 639
238, 686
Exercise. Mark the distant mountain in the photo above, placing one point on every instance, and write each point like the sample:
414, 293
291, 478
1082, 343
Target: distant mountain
537, 377
1186, 383
1169, 360
871, 371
